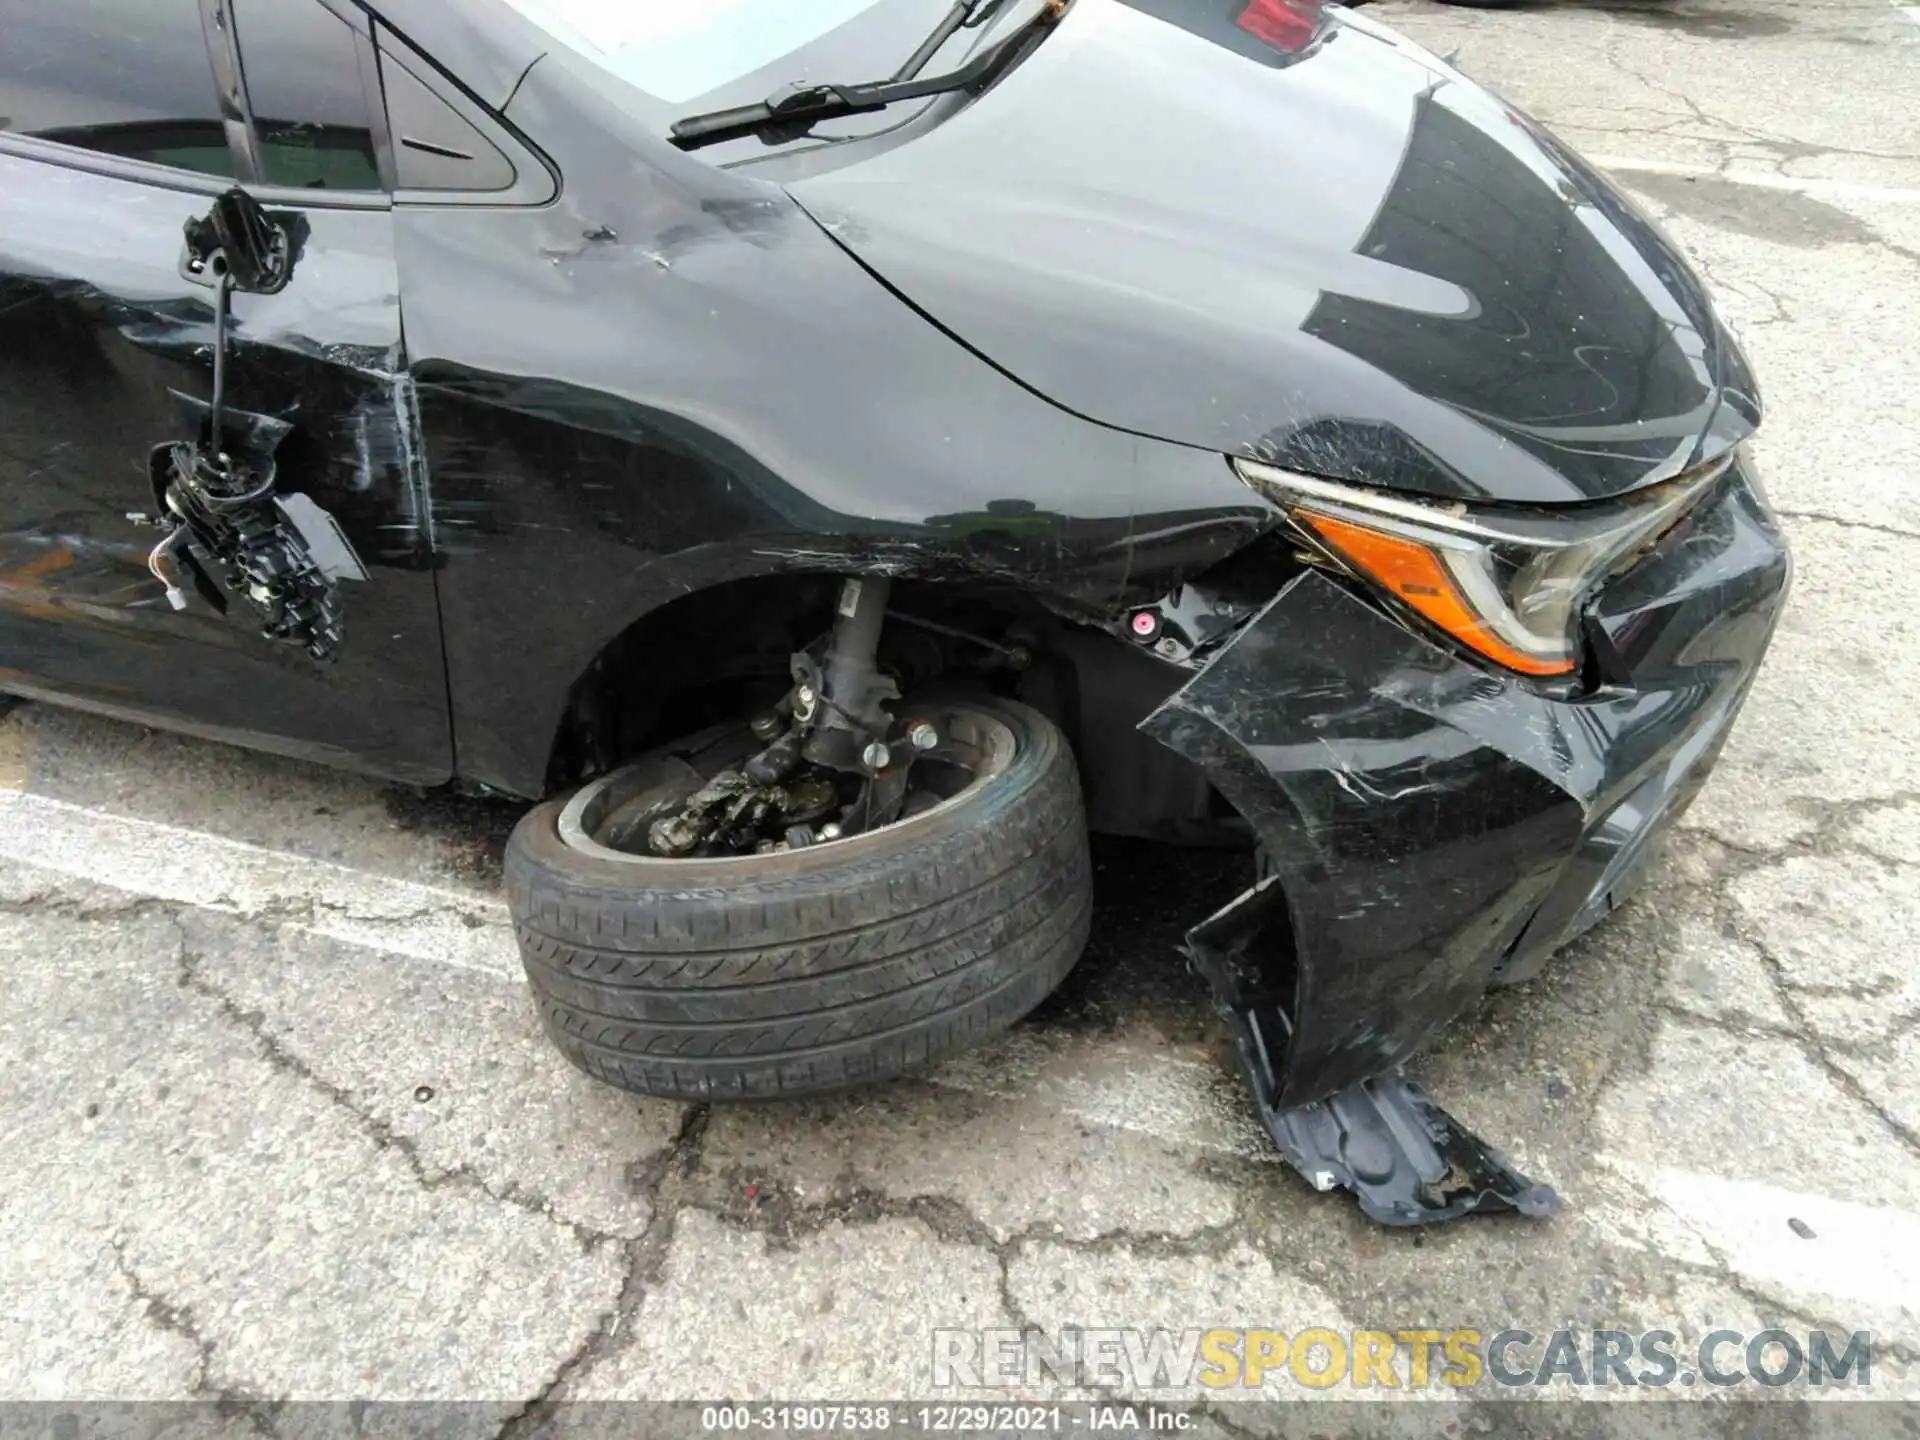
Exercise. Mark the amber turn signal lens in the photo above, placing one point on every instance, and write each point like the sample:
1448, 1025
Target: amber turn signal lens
1417, 577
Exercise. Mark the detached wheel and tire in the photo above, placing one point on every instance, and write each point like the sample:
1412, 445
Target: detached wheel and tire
811, 969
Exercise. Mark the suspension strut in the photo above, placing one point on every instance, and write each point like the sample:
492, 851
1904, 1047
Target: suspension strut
854, 689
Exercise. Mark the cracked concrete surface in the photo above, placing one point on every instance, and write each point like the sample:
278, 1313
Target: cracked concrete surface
480, 1101
1050, 1171
1805, 92
244, 1203
280, 1123
845, 1309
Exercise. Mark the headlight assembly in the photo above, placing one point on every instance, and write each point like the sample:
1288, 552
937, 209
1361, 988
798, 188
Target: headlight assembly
1505, 581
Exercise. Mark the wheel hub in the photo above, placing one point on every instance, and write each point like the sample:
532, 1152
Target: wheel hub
716, 796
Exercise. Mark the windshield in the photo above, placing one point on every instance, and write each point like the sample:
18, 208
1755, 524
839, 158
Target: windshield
678, 50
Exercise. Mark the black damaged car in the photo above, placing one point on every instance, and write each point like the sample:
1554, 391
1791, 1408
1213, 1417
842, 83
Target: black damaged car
844, 451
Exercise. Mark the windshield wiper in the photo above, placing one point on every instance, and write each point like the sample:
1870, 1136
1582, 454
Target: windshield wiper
798, 107
967, 14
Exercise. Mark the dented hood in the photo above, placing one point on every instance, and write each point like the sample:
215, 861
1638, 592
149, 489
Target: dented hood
1269, 230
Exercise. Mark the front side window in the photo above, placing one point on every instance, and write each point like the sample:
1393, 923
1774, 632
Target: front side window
132, 78
120, 77
304, 85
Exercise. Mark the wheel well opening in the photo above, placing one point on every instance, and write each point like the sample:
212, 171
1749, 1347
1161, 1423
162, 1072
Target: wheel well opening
723, 653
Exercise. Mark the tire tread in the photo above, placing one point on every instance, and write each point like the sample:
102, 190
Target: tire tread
820, 978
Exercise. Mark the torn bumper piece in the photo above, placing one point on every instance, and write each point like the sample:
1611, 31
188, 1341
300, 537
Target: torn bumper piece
1405, 1159
1428, 825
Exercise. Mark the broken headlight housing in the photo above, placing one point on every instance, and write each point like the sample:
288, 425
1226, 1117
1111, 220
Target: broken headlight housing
1507, 582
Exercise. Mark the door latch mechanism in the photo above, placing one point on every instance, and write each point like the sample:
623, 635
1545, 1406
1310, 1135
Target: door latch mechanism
215, 493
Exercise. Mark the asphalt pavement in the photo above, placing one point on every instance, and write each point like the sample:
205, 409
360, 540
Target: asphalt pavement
278, 1122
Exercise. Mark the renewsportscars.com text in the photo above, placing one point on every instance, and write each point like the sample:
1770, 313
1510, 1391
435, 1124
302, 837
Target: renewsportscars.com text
1320, 1359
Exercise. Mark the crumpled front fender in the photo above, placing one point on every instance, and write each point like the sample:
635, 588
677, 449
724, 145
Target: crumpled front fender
1426, 822
1414, 810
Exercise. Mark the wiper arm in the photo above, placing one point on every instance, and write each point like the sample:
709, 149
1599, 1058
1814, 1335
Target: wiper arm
801, 106
967, 13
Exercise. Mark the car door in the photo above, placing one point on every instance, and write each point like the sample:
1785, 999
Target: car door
121, 121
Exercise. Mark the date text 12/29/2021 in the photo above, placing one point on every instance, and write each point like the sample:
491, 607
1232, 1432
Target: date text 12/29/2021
946, 1419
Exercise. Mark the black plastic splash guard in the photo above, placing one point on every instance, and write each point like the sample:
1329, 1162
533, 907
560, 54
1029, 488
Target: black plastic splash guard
1405, 1159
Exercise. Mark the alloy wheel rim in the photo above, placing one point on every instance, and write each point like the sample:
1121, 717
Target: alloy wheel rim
607, 818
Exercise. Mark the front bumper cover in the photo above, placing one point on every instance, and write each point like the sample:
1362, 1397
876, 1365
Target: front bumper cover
1428, 825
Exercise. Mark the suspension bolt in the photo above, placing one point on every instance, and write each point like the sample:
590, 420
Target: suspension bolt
803, 703
876, 757
830, 830
765, 726
922, 736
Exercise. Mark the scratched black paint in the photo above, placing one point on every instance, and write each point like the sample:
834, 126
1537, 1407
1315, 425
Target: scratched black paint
1006, 339
1431, 823
97, 328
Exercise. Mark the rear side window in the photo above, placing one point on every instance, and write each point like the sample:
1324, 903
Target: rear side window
435, 147
122, 77
305, 86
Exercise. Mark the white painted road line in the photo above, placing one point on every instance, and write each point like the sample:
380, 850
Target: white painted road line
1866, 1253
167, 862
1120, 1087
1624, 167
1830, 1256
1179, 1101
